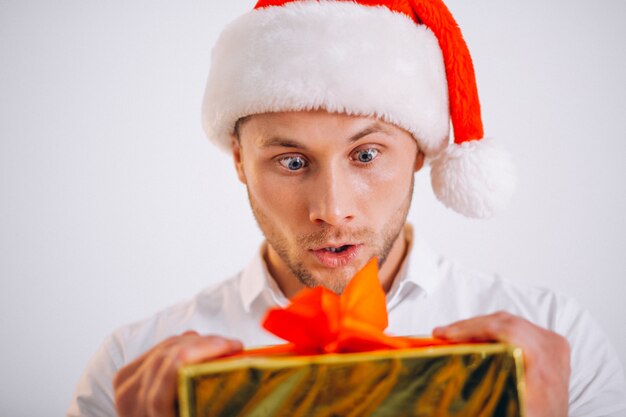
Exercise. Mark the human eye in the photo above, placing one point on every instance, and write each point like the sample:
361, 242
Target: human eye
293, 163
365, 156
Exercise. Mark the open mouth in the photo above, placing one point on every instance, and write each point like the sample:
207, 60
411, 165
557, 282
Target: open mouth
338, 250
337, 256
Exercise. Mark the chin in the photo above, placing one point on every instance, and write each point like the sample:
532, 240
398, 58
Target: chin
336, 279
338, 287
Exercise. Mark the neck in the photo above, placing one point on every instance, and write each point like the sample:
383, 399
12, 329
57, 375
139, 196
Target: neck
394, 260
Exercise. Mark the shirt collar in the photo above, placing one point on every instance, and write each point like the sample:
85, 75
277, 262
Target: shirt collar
256, 280
253, 279
424, 266
419, 269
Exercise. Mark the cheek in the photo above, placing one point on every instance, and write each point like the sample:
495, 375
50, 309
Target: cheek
279, 200
386, 186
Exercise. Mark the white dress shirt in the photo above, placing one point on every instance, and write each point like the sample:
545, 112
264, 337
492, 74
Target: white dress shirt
428, 291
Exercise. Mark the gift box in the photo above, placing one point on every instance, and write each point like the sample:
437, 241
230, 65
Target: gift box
339, 362
458, 380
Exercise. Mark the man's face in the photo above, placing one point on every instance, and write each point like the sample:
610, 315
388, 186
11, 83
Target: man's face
329, 191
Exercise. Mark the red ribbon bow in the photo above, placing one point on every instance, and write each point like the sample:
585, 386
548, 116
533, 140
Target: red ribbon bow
320, 321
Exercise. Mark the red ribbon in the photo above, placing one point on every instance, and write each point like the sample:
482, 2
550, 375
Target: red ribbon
319, 321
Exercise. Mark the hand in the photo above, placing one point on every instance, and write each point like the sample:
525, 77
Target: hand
546, 357
147, 386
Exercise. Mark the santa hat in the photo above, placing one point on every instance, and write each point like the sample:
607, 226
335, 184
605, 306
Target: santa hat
404, 62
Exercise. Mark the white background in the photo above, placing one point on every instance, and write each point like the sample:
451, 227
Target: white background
113, 205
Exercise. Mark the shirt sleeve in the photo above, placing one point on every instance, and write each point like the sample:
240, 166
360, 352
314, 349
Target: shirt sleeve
597, 384
93, 396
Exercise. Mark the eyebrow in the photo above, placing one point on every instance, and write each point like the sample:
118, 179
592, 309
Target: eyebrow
280, 142
277, 141
373, 128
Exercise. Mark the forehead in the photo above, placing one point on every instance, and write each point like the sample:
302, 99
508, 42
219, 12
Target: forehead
304, 128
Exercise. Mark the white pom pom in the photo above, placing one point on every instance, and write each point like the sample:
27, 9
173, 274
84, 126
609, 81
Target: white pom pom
474, 178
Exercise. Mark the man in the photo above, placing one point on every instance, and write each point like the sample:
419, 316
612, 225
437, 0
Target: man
329, 109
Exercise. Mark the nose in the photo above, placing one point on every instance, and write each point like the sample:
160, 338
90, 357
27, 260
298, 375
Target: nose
331, 197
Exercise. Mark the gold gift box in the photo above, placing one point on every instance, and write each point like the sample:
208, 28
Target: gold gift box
477, 380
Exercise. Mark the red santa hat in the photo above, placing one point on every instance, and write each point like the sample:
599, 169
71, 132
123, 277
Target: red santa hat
404, 62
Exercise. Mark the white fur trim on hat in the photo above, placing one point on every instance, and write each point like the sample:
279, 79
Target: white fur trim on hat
338, 56
474, 178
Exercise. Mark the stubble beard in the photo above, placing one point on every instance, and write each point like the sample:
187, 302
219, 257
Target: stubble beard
382, 243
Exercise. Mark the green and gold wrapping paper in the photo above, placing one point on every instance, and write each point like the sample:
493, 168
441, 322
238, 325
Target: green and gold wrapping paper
457, 380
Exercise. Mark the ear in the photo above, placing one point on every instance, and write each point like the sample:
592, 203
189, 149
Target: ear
238, 159
419, 161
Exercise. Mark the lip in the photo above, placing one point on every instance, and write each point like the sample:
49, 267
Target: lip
336, 260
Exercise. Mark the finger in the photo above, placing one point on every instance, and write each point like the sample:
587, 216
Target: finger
160, 398
501, 327
127, 396
162, 389
132, 367
132, 394
199, 348
133, 381
151, 406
